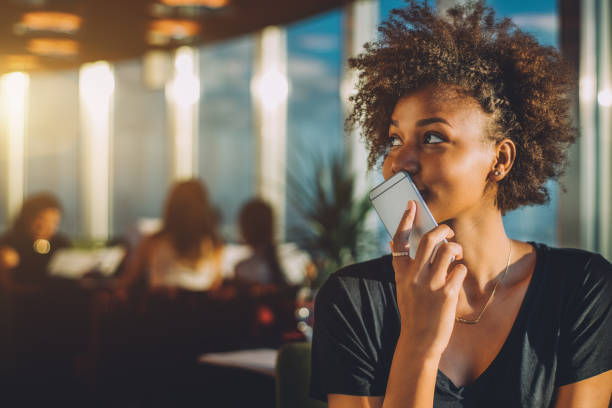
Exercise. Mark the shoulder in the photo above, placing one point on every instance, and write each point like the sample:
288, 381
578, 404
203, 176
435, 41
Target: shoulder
576, 265
354, 282
246, 264
579, 279
152, 245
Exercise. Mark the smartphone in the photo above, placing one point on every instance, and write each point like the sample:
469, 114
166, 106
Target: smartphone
390, 199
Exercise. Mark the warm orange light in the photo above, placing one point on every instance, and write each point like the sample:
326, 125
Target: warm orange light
162, 32
53, 47
196, 3
175, 28
51, 21
19, 62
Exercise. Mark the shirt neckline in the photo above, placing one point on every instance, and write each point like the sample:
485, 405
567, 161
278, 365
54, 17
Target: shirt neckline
520, 317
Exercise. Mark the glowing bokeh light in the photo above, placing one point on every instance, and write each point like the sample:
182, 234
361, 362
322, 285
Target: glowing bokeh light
14, 90
271, 88
96, 87
184, 88
196, 3
51, 21
604, 98
53, 47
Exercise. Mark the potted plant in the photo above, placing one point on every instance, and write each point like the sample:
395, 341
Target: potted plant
332, 223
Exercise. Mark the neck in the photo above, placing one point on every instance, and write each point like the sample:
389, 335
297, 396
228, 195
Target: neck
485, 247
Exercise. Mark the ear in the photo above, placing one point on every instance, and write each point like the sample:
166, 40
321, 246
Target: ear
505, 154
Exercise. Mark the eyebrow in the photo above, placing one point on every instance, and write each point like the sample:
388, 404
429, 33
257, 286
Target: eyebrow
424, 122
429, 121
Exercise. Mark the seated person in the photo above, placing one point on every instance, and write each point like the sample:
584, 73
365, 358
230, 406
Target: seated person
186, 253
27, 247
257, 229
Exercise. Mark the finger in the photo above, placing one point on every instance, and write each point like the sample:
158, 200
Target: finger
429, 242
455, 280
400, 239
446, 254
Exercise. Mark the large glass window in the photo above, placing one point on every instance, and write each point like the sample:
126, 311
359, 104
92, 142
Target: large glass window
140, 148
314, 113
227, 143
52, 148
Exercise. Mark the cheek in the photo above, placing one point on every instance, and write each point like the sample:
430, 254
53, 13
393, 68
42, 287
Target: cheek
387, 170
469, 173
462, 178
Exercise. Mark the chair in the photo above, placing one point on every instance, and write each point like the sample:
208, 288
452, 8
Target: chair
293, 377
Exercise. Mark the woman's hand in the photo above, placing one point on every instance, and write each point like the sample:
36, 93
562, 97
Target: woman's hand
427, 286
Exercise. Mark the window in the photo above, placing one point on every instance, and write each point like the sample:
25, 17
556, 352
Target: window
52, 143
227, 143
140, 149
314, 109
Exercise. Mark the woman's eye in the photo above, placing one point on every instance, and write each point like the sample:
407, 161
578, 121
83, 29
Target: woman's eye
432, 138
395, 141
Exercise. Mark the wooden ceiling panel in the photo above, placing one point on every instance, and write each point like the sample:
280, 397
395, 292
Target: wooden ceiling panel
119, 29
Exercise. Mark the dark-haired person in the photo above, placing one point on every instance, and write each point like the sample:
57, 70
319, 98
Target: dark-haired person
186, 252
27, 248
478, 113
256, 220
260, 277
41, 359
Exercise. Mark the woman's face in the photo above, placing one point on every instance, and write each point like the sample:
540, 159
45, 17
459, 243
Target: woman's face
440, 138
45, 224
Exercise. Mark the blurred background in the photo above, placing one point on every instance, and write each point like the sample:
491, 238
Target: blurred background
108, 104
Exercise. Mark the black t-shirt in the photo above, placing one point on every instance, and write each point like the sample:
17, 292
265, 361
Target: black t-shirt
562, 334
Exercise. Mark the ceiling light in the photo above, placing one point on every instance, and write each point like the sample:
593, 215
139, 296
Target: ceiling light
53, 47
162, 32
196, 3
49, 21
19, 62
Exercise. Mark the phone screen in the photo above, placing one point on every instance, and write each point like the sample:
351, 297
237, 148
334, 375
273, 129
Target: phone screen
390, 199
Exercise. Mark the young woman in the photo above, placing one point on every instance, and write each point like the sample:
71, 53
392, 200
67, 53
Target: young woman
186, 253
478, 113
27, 248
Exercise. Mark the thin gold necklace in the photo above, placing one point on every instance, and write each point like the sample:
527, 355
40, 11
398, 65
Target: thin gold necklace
459, 319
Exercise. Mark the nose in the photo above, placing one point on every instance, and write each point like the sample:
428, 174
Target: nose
406, 159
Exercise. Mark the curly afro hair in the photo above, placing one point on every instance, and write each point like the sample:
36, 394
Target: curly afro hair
526, 87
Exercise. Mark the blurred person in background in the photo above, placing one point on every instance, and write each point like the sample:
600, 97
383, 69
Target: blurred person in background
186, 253
43, 325
256, 221
27, 247
261, 280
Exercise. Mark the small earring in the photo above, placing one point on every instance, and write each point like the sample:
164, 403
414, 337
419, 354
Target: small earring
496, 173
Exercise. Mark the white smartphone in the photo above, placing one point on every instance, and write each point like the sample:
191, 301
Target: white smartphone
390, 199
